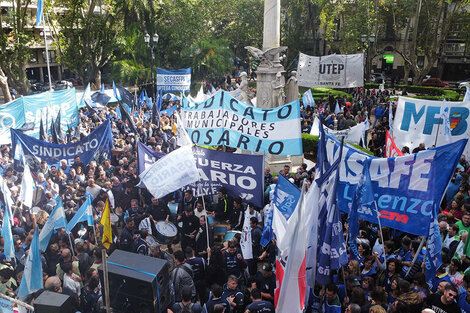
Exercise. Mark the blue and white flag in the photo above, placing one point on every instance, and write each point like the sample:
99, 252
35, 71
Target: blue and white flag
117, 94
86, 97
362, 196
307, 99
268, 233
337, 108
12, 115
84, 214
141, 99
39, 13
285, 199
172, 172
9, 247
466, 97
146, 156
56, 220
444, 115
32, 275
27, 187
102, 88
170, 110
433, 253
7, 197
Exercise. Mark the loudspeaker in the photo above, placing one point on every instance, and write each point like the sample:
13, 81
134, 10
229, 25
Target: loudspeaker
137, 283
53, 302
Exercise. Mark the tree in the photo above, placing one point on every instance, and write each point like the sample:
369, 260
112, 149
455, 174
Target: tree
14, 44
87, 35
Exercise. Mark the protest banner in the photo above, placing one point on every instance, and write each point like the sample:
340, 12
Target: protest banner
351, 135
331, 71
240, 174
172, 172
224, 120
11, 116
93, 147
33, 108
146, 156
416, 121
173, 80
407, 189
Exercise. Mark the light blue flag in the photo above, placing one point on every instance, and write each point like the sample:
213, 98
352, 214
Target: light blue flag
141, 99
27, 186
86, 97
433, 253
307, 99
39, 13
467, 94
32, 275
117, 94
6, 197
56, 220
102, 88
84, 214
337, 109
7, 237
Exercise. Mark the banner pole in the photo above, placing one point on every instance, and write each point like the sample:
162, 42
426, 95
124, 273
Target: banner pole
71, 245
96, 239
207, 223
106, 280
47, 51
381, 234
417, 254
437, 133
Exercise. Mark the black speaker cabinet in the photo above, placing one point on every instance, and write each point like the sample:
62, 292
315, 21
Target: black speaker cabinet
53, 302
137, 283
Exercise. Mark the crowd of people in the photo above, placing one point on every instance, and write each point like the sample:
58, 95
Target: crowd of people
207, 269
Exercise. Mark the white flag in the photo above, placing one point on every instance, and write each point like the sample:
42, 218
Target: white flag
27, 187
445, 116
245, 243
174, 171
467, 94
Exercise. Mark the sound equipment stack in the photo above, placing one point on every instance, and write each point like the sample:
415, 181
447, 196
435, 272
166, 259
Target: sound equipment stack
137, 283
53, 302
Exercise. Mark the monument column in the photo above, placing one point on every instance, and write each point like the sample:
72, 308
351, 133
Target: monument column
266, 72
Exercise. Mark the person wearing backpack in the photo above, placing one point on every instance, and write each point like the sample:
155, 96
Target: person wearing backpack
182, 276
186, 306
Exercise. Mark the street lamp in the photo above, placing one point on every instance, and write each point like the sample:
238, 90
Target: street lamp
151, 43
368, 41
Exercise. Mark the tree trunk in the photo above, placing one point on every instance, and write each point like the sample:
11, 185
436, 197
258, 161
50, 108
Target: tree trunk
4, 87
98, 79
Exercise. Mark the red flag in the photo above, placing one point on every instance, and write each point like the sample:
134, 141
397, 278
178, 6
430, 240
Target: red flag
391, 149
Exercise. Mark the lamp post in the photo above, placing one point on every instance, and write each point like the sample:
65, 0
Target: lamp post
151, 43
368, 41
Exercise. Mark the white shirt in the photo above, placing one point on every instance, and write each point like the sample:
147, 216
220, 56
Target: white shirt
72, 284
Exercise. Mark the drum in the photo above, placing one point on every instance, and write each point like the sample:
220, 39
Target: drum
114, 218
230, 234
150, 239
166, 232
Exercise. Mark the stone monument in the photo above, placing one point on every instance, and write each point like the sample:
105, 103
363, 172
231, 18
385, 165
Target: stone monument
269, 55
245, 94
292, 88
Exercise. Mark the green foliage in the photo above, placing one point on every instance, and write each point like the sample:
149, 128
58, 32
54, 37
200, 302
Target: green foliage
310, 145
424, 92
318, 93
129, 72
210, 58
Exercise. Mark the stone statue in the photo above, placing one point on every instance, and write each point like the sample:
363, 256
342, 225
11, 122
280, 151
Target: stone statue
292, 88
278, 90
268, 57
245, 94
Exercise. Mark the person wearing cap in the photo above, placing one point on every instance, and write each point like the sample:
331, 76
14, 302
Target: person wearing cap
127, 234
224, 206
265, 282
259, 305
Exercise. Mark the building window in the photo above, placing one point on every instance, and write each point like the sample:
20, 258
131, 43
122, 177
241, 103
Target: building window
454, 49
34, 57
52, 56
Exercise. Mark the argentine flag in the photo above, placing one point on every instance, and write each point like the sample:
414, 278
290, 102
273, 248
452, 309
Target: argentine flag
84, 214
32, 275
56, 220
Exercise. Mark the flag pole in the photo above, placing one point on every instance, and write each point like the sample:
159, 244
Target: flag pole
437, 133
207, 223
71, 245
106, 280
381, 233
94, 231
47, 51
416, 255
